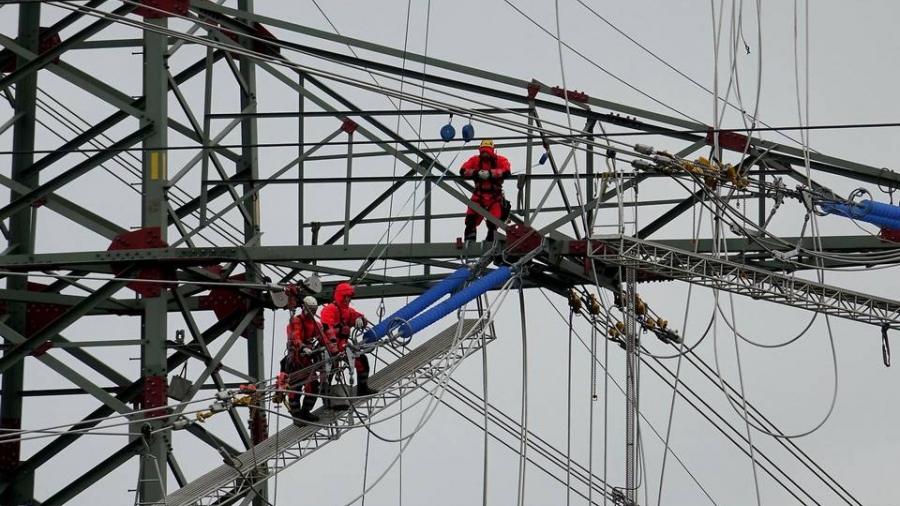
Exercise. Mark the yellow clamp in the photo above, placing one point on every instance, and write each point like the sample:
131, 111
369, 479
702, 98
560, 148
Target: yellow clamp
640, 306
203, 415
738, 181
593, 305
245, 400
574, 300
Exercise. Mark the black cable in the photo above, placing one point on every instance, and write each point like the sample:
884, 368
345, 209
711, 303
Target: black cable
847, 126
758, 417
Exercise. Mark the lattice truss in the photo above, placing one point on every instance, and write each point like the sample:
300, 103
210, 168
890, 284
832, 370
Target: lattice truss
156, 174
669, 263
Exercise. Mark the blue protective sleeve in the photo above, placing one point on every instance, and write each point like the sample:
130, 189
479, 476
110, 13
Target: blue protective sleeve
421, 303
888, 211
867, 211
455, 301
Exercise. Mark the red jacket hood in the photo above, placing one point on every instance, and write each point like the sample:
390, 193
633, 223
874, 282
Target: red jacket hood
342, 294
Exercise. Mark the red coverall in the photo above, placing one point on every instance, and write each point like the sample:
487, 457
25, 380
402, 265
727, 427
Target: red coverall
488, 192
303, 331
338, 318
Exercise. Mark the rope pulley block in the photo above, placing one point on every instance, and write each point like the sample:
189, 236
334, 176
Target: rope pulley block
448, 132
468, 131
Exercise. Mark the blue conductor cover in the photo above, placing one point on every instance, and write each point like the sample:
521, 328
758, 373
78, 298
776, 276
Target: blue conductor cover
455, 301
422, 302
883, 215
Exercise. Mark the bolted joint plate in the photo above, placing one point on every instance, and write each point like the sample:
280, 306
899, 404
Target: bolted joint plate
143, 238
155, 396
163, 8
522, 239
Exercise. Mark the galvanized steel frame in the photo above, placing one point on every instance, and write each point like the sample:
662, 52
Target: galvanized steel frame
29, 194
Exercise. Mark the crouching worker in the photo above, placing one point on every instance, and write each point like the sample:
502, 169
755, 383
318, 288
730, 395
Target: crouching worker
299, 365
338, 318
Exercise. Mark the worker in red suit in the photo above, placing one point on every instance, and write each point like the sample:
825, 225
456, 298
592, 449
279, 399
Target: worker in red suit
338, 320
488, 170
303, 336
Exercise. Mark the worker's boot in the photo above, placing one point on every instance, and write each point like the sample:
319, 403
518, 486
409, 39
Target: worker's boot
363, 389
469, 235
294, 405
306, 413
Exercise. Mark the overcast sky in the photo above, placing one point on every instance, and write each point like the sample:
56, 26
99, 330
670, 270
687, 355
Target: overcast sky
851, 81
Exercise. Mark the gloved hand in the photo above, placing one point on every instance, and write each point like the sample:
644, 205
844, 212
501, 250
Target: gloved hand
360, 323
345, 331
306, 350
484, 174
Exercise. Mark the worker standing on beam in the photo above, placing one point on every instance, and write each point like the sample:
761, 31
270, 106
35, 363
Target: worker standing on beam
338, 319
488, 170
303, 333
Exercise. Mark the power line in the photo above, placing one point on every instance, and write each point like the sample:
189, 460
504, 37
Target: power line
847, 126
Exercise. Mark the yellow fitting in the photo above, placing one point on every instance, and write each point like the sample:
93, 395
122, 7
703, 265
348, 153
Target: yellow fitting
245, 400
663, 323
640, 307
651, 323
203, 415
594, 305
574, 301
690, 167
613, 332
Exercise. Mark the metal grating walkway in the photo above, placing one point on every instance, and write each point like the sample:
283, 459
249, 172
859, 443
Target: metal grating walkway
745, 280
403, 376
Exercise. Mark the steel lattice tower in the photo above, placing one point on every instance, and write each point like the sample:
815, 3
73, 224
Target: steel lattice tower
192, 224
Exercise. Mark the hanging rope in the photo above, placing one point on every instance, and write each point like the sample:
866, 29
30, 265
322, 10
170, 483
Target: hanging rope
523, 447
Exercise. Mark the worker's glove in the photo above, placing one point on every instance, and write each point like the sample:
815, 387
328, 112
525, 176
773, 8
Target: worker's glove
484, 174
345, 331
360, 323
306, 351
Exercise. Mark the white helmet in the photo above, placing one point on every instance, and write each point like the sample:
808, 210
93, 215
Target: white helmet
311, 303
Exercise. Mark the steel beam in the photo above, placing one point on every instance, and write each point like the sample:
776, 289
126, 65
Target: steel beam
688, 130
249, 163
39, 192
128, 394
154, 370
94, 474
22, 240
20, 351
26, 69
67, 372
68, 209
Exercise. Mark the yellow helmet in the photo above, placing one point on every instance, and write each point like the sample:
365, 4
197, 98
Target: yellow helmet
487, 143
